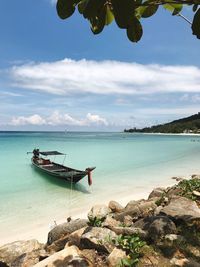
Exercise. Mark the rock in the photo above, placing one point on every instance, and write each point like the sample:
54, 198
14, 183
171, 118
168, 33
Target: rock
3, 264
128, 220
181, 208
70, 256
129, 231
71, 239
99, 212
157, 193
30, 258
151, 258
178, 179
115, 206
179, 262
98, 238
173, 191
136, 210
156, 226
65, 228
110, 222
115, 257
10, 252
195, 176
133, 203
196, 193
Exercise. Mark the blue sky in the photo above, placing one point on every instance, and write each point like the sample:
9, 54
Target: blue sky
57, 75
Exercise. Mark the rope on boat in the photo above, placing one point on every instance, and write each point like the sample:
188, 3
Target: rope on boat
70, 194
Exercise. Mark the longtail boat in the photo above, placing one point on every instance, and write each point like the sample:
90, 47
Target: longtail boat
44, 164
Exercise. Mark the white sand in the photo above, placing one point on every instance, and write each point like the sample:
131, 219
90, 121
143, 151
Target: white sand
39, 229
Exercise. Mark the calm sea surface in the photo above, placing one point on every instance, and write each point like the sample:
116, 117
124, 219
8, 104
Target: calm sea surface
125, 164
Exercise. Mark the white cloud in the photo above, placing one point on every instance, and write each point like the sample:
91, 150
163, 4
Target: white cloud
32, 120
95, 119
68, 76
56, 118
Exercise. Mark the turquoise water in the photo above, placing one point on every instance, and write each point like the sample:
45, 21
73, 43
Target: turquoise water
126, 164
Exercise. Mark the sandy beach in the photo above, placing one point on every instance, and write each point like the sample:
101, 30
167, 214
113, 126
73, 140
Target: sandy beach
39, 229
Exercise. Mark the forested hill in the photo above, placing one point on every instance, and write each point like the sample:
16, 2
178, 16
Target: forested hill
186, 125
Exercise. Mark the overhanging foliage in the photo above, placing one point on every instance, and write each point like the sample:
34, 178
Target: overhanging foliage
127, 13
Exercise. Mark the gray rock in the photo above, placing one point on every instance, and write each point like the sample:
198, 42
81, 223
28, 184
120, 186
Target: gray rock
156, 227
115, 206
129, 231
157, 193
132, 204
64, 229
10, 252
181, 208
98, 238
70, 256
99, 212
110, 222
195, 176
136, 210
115, 257
72, 239
30, 258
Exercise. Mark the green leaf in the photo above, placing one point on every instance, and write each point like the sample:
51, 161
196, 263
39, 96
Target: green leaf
92, 8
149, 11
98, 22
123, 11
109, 15
196, 24
174, 8
134, 31
65, 8
82, 5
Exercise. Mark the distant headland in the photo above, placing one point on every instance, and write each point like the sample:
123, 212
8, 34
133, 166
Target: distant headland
190, 125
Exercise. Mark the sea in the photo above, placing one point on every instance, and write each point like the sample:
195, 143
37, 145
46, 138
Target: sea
127, 164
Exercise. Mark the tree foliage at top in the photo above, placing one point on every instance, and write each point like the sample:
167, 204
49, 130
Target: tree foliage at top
128, 14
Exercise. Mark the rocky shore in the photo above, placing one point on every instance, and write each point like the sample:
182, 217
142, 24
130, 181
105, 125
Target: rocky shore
163, 230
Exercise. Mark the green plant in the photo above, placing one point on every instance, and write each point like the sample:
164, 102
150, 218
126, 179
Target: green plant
95, 221
132, 244
188, 186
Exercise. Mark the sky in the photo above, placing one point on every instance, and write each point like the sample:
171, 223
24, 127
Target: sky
56, 75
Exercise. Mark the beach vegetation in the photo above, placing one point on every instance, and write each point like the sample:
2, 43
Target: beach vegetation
188, 187
127, 14
132, 245
95, 221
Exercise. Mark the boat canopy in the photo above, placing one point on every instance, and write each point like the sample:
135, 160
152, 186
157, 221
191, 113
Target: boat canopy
51, 153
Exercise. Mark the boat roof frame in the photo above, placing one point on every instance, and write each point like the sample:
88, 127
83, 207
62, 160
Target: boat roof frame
51, 153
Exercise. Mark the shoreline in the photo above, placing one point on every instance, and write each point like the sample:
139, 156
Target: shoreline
40, 230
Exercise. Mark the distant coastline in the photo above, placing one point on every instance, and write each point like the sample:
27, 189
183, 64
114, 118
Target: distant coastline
189, 125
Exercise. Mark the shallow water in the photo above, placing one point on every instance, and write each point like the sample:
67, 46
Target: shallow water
126, 164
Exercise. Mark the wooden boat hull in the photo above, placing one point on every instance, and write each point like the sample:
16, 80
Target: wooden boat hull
60, 171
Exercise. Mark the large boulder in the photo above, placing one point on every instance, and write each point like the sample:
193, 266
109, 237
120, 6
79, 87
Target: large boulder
64, 229
136, 210
129, 231
181, 208
156, 227
10, 252
157, 193
98, 238
98, 212
69, 256
115, 206
30, 258
115, 257
71, 239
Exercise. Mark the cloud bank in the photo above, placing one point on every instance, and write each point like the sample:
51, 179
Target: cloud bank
56, 118
69, 77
